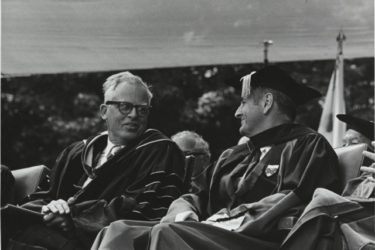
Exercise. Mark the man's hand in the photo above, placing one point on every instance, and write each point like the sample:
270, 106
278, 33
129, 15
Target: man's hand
182, 216
57, 214
186, 216
57, 207
63, 222
371, 156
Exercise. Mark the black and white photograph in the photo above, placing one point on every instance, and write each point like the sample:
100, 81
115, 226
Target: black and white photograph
187, 125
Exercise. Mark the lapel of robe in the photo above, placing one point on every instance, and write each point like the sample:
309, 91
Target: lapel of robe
108, 175
252, 177
227, 161
234, 157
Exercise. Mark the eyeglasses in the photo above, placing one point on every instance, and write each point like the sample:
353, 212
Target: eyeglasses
127, 107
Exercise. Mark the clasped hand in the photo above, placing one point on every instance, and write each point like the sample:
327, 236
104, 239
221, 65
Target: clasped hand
57, 214
371, 156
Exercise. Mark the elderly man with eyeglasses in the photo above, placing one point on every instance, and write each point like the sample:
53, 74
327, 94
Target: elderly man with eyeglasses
128, 172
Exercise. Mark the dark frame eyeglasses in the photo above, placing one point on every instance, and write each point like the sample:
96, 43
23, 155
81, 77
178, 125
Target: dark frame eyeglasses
127, 107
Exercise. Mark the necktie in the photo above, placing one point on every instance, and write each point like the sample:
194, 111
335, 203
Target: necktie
253, 162
113, 151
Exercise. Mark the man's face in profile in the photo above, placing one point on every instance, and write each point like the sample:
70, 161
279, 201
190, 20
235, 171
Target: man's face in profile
250, 113
124, 127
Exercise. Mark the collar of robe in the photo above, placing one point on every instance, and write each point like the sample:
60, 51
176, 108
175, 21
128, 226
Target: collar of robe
277, 135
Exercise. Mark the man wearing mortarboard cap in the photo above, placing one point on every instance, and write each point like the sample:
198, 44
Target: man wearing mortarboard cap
252, 185
359, 130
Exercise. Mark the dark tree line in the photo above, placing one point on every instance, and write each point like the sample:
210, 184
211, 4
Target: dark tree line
41, 114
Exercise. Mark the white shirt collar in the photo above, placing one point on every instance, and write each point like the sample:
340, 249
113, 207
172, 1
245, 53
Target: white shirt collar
108, 148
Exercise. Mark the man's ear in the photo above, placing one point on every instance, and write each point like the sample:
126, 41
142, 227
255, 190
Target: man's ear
268, 102
103, 111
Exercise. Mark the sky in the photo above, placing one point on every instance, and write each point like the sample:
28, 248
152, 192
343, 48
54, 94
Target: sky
56, 36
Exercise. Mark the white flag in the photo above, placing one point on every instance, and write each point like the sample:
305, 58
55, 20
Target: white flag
334, 104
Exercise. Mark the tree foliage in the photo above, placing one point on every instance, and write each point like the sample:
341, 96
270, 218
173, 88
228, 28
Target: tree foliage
42, 114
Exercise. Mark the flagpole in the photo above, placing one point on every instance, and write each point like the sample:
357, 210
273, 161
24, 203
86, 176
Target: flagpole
340, 42
266, 44
339, 127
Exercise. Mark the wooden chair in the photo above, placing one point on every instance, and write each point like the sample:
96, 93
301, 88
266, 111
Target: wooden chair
189, 168
28, 180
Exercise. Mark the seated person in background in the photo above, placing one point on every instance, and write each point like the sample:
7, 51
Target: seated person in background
349, 218
358, 131
193, 144
252, 186
128, 172
363, 186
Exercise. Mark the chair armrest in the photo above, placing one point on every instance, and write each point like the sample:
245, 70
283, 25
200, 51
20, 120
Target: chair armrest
27, 180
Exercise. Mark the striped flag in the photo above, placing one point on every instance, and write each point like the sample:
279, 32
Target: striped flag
334, 104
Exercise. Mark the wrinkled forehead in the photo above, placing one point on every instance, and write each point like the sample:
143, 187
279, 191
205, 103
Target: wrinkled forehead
128, 91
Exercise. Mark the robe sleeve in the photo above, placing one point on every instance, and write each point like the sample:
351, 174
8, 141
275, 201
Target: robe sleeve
308, 164
196, 203
38, 199
186, 203
161, 186
159, 181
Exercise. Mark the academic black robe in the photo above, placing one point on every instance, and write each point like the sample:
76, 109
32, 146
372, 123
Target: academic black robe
303, 160
138, 182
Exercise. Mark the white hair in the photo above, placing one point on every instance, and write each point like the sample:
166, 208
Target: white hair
199, 141
114, 80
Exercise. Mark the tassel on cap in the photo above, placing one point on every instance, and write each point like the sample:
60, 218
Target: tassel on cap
246, 85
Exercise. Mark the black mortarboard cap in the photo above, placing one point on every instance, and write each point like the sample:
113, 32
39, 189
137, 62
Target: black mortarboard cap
364, 127
275, 78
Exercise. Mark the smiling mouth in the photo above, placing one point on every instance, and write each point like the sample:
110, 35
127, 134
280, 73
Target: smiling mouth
131, 125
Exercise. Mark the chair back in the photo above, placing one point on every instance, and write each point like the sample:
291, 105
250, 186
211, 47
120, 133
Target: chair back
350, 160
27, 180
189, 168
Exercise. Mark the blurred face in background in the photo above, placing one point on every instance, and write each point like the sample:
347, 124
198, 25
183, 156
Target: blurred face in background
127, 116
190, 145
354, 137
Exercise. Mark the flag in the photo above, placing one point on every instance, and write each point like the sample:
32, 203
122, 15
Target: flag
334, 104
